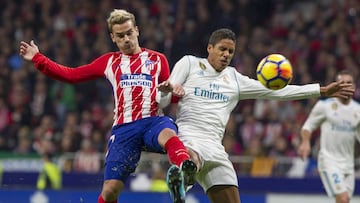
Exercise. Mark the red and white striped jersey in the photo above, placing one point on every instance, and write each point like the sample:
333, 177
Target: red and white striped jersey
133, 78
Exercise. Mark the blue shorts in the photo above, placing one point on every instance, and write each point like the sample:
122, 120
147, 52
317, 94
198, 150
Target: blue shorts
128, 140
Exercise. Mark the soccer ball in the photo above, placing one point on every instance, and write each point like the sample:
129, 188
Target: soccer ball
274, 71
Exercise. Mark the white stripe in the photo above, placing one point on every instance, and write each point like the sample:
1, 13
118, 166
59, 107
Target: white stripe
111, 77
125, 68
158, 70
145, 91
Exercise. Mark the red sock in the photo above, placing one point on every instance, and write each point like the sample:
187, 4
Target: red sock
101, 200
176, 151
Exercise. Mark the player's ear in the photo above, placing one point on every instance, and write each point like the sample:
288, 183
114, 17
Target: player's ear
209, 47
112, 37
137, 31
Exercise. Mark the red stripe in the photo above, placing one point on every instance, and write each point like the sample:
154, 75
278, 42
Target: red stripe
137, 97
153, 106
119, 91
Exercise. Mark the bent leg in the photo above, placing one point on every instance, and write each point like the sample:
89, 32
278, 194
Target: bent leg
224, 193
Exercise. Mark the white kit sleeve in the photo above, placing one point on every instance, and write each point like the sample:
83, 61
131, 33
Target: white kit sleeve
315, 118
180, 71
178, 76
165, 100
253, 89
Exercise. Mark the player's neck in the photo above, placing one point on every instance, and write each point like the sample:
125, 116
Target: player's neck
344, 101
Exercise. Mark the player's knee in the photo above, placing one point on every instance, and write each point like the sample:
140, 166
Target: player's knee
343, 198
109, 194
111, 191
168, 132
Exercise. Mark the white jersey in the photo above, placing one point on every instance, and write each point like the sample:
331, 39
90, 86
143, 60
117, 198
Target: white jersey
210, 96
204, 110
340, 126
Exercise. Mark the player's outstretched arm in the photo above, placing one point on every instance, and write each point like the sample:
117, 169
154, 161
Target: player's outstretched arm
28, 51
337, 89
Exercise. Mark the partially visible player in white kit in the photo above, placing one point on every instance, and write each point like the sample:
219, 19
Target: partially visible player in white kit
211, 89
339, 121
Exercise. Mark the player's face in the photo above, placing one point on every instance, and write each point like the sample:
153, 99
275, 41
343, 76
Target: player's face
347, 79
125, 36
221, 53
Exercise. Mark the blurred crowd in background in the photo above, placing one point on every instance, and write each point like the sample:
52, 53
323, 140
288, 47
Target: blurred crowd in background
41, 115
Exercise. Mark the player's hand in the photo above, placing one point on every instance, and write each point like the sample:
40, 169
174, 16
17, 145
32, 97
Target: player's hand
176, 90
165, 87
338, 89
304, 150
28, 51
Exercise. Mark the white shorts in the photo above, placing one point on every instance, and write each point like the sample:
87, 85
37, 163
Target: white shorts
216, 169
336, 181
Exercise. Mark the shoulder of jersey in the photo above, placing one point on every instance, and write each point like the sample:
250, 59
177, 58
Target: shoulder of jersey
196, 61
327, 99
109, 54
193, 58
154, 52
357, 103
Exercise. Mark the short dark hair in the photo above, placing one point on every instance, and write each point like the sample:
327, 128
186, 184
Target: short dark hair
219, 34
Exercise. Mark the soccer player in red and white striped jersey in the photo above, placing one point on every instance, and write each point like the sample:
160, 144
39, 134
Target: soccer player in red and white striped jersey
134, 73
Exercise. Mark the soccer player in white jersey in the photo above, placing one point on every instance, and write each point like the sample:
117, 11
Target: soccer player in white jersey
339, 121
134, 72
210, 90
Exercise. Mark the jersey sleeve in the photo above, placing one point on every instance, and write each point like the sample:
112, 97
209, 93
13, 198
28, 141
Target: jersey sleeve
179, 74
163, 76
253, 89
165, 69
358, 128
315, 118
180, 71
68, 74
